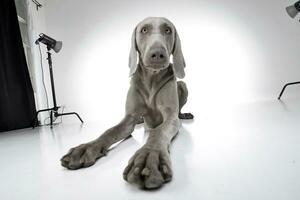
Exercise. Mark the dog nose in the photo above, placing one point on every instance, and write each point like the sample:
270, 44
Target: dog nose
158, 56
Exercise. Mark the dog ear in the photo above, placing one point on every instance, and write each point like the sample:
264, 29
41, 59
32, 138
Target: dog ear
133, 54
178, 59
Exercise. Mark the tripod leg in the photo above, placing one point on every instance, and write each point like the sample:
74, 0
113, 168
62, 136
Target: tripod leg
34, 124
35, 120
70, 113
78, 117
284, 87
51, 119
282, 91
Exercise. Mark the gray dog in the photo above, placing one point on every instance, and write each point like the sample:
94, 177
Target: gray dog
154, 97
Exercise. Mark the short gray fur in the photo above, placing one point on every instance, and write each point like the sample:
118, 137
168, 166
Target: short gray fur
154, 97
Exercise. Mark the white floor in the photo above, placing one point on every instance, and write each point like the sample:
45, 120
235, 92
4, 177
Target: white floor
249, 152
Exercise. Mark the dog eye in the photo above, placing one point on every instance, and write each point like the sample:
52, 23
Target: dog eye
144, 30
168, 31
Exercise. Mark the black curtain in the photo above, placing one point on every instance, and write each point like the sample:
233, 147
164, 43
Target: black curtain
17, 105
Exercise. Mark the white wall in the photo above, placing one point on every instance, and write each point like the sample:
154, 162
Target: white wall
235, 50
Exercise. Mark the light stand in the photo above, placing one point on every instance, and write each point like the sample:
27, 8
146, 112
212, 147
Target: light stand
54, 110
292, 11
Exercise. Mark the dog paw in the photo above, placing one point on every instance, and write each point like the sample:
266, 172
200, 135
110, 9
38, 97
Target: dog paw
82, 156
149, 168
186, 116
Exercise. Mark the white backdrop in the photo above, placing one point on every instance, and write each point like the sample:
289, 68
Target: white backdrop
236, 51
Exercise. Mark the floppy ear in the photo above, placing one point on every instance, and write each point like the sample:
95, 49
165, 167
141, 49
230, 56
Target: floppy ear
133, 54
178, 59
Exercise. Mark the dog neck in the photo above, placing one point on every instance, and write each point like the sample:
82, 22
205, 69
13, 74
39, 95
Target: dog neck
150, 81
152, 77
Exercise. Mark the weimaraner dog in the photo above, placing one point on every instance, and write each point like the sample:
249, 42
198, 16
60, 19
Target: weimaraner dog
154, 97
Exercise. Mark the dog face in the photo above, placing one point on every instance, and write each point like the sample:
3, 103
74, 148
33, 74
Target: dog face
155, 39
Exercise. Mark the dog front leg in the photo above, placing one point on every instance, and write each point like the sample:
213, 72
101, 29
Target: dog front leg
150, 167
87, 154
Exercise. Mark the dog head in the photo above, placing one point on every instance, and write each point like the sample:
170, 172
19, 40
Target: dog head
154, 41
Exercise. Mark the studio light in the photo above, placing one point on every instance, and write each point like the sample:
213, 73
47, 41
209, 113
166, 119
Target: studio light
56, 46
293, 10
50, 42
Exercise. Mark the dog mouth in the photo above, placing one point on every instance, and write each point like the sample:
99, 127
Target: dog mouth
155, 68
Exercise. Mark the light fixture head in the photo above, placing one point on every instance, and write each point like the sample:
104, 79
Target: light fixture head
50, 42
293, 10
